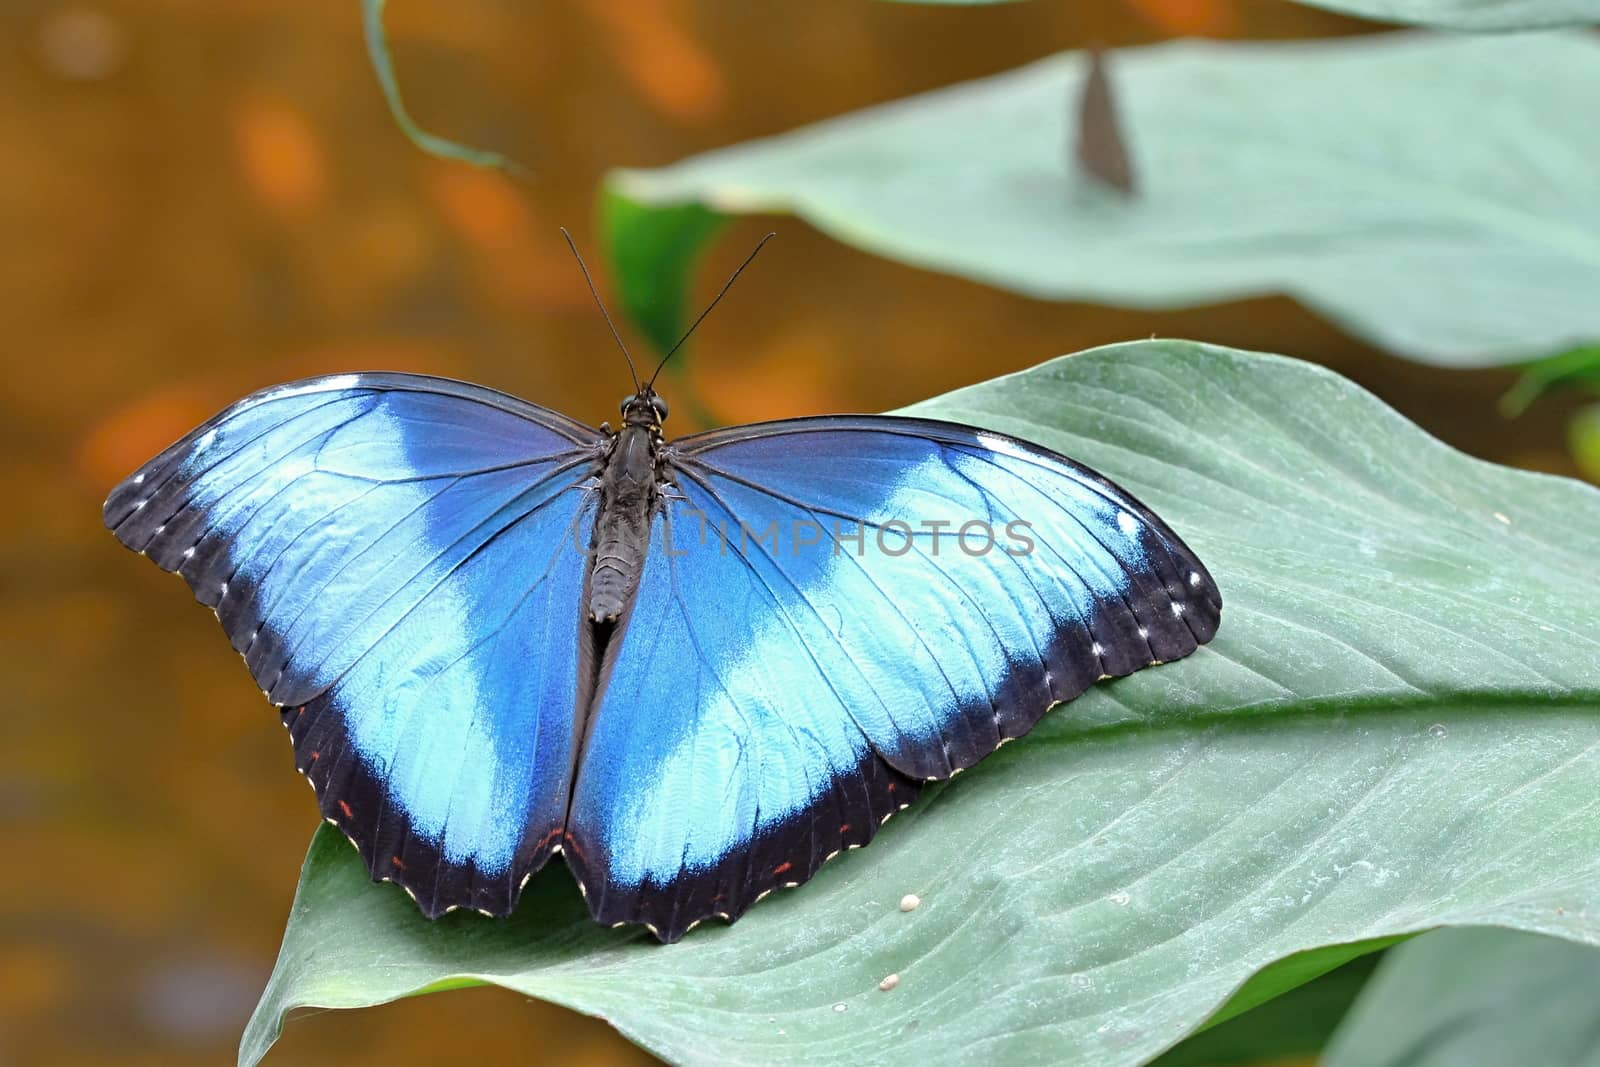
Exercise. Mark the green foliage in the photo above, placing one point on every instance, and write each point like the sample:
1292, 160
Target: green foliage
1297, 1023
1395, 729
1583, 438
1476, 998
383, 67
1579, 368
1432, 195
1293, 972
653, 252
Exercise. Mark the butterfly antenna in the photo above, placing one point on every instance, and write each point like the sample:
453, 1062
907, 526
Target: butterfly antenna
714, 301
602, 306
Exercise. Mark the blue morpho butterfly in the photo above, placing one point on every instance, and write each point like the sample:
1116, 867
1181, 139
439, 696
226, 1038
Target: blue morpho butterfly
698, 668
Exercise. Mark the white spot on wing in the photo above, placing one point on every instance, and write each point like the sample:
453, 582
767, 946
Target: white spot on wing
325, 385
995, 444
1127, 523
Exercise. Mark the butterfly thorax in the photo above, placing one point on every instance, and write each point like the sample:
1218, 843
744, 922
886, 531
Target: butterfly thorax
628, 496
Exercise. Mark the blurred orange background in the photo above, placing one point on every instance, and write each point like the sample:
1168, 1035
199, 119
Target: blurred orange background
198, 199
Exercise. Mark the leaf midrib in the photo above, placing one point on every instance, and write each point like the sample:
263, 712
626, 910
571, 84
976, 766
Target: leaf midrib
1270, 712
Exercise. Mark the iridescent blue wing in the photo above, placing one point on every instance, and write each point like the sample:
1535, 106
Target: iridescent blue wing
809, 643
398, 559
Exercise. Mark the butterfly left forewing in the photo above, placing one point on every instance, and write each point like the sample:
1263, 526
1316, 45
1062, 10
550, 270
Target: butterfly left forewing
398, 559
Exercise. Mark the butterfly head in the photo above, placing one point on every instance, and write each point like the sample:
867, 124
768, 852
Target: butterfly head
644, 408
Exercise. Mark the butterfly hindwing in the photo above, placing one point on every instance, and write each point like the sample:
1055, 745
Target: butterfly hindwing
695, 796
397, 559
814, 634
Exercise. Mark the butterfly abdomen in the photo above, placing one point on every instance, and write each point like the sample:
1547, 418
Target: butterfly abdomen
622, 529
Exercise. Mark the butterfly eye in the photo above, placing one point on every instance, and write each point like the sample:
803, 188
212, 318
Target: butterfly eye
628, 401
661, 407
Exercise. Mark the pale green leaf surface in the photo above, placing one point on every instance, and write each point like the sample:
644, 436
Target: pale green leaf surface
1432, 195
1479, 15
1472, 15
1476, 998
1397, 727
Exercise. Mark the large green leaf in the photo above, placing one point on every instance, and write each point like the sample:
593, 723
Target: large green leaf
1433, 195
1397, 727
1477, 998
